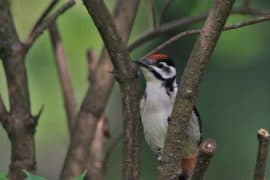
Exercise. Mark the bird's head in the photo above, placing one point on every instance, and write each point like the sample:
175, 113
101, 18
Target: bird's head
157, 67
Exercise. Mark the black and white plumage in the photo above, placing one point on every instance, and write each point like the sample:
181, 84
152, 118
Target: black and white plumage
157, 103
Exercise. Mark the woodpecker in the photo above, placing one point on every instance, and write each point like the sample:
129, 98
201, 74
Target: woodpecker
156, 107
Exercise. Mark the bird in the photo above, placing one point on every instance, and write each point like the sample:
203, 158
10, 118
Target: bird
156, 107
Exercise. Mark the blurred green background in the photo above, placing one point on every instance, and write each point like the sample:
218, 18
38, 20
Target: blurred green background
234, 96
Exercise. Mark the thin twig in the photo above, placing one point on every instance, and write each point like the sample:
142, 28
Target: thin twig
164, 10
198, 31
92, 61
112, 145
97, 162
36, 117
165, 28
207, 149
45, 24
153, 12
173, 25
173, 39
44, 15
263, 137
62, 68
3, 108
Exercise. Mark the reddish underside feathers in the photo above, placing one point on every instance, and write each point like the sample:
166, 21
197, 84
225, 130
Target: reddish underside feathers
188, 165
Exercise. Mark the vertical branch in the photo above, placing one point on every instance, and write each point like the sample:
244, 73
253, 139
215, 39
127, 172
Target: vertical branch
64, 76
263, 137
97, 96
131, 140
127, 78
176, 138
43, 15
97, 164
207, 149
19, 123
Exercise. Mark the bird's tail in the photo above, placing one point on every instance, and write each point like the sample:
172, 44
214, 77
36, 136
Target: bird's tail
187, 167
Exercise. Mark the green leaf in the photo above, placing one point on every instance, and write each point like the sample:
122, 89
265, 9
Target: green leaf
81, 176
32, 177
3, 176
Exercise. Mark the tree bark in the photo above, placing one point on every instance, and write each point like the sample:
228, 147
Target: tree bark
263, 138
64, 77
97, 96
207, 149
18, 122
126, 74
177, 131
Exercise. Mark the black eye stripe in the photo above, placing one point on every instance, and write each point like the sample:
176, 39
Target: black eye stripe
167, 69
159, 76
160, 65
164, 67
168, 62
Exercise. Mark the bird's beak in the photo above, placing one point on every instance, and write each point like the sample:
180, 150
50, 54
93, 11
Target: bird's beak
143, 63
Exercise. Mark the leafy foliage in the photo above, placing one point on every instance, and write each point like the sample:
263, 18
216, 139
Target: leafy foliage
32, 177
81, 176
3, 176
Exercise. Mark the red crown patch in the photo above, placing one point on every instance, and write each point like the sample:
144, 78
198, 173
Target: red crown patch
157, 56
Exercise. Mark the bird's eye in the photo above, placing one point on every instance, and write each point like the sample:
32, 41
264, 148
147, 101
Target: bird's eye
160, 65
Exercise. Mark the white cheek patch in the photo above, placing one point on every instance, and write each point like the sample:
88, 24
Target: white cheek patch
147, 74
165, 74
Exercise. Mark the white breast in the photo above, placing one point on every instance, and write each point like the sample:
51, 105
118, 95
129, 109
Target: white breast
156, 108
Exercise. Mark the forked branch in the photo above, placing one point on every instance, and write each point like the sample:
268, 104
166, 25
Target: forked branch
43, 15
43, 23
19, 124
176, 24
97, 96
